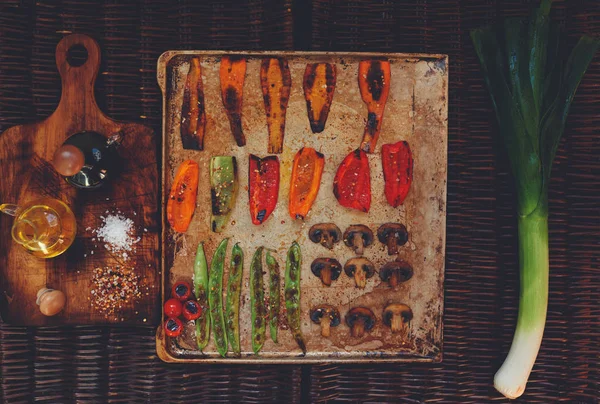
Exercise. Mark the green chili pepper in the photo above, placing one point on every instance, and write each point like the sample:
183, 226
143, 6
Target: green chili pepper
274, 298
293, 266
232, 303
223, 188
215, 297
200, 290
257, 302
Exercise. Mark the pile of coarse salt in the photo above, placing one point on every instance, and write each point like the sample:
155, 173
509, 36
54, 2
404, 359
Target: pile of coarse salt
117, 233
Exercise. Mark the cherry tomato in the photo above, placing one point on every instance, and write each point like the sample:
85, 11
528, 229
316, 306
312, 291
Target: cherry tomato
173, 308
191, 310
173, 327
182, 291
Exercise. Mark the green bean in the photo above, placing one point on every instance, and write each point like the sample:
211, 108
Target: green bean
200, 290
215, 297
274, 297
293, 267
232, 303
257, 302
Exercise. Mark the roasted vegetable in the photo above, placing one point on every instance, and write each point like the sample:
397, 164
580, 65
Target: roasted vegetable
193, 116
397, 316
173, 327
326, 316
182, 198
305, 181
397, 162
276, 83
352, 182
232, 302
360, 269
396, 272
215, 298
374, 83
274, 296
327, 234
532, 82
360, 320
263, 187
232, 75
357, 237
293, 268
326, 269
173, 307
392, 235
319, 86
181, 290
201, 292
191, 310
223, 190
257, 302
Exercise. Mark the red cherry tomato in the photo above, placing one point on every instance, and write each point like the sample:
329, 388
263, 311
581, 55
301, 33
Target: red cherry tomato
173, 308
191, 310
173, 327
182, 291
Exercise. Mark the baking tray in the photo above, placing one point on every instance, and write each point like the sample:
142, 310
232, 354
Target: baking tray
416, 111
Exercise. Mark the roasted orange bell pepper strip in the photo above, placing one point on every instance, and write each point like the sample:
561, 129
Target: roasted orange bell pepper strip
232, 75
374, 83
263, 187
319, 86
193, 116
352, 182
305, 182
182, 198
397, 164
276, 83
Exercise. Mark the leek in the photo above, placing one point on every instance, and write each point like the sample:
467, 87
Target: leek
531, 83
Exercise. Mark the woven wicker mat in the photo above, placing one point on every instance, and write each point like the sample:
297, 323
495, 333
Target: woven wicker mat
90, 364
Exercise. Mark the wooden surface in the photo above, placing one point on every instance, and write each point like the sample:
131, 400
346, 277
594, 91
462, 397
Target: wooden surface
25, 153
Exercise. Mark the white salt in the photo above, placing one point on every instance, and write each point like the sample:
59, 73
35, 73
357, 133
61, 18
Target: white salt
117, 234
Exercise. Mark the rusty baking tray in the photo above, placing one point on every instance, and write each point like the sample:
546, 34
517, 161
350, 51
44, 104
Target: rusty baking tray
416, 111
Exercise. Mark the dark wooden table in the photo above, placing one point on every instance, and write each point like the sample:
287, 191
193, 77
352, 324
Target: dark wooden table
96, 364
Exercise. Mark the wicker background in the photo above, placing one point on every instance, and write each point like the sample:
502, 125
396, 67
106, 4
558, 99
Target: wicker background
93, 364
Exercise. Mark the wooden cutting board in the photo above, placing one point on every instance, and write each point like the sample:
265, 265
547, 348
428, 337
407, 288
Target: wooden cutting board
26, 173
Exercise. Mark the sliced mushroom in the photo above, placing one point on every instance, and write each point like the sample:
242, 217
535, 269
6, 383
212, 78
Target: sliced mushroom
396, 272
361, 269
327, 316
327, 234
392, 235
357, 237
397, 316
328, 269
360, 319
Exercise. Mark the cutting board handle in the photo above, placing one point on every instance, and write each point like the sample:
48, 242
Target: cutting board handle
77, 81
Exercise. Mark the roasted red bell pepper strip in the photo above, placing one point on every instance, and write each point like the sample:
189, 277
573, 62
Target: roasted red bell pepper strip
374, 84
397, 164
305, 182
263, 187
352, 182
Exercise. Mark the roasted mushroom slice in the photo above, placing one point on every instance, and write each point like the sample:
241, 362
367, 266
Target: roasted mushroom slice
327, 316
327, 234
396, 272
392, 235
361, 269
328, 269
397, 316
360, 319
357, 237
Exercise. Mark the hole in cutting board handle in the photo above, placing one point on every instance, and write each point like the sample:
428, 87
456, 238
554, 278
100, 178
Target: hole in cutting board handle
77, 55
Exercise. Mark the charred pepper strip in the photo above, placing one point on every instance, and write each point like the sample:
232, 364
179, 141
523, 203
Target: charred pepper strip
232, 75
182, 198
374, 84
215, 297
257, 302
293, 266
274, 297
201, 292
352, 182
223, 190
319, 86
276, 83
193, 115
397, 164
263, 187
232, 303
305, 181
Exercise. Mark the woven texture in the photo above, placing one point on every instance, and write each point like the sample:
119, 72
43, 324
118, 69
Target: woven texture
93, 364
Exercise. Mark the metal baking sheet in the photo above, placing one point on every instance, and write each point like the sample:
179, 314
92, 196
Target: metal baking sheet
416, 111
